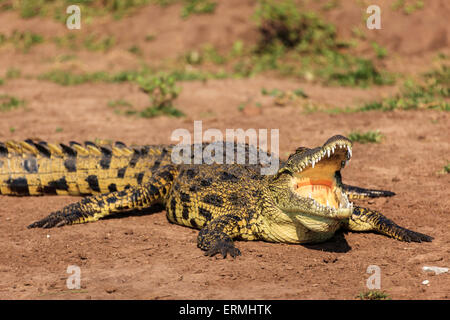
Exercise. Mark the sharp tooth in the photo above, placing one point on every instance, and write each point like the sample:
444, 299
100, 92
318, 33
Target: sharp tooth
310, 195
332, 149
312, 162
328, 203
328, 151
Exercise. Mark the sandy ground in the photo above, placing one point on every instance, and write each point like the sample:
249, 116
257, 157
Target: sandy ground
145, 257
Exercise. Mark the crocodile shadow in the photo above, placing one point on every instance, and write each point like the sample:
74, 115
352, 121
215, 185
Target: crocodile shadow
337, 244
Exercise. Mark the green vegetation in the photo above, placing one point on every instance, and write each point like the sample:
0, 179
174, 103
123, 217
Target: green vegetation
150, 37
94, 42
380, 51
162, 91
280, 94
197, 7
365, 137
119, 103
69, 41
57, 8
447, 168
67, 78
22, 40
13, 73
280, 22
432, 93
8, 103
122, 107
300, 43
374, 295
330, 4
406, 6
135, 50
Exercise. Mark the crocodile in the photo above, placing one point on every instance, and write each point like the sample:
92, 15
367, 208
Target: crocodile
304, 201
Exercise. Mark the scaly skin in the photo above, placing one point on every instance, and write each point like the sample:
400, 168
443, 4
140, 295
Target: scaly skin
304, 202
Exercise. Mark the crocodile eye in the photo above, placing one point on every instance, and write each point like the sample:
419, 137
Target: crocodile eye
342, 164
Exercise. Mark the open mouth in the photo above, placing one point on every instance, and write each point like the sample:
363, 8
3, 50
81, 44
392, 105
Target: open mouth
315, 176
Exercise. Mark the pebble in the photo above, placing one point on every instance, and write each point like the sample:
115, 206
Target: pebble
436, 270
425, 282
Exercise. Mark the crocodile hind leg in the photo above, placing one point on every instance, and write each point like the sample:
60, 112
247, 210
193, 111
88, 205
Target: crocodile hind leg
354, 192
217, 235
93, 208
362, 193
364, 219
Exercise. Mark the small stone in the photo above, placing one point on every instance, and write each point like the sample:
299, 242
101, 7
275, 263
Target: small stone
436, 270
110, 290
425, 282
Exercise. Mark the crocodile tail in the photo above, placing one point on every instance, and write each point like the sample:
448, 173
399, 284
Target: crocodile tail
36, 167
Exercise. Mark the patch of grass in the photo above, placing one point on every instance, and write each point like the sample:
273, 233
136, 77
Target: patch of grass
119, 103
162, 91
135, 50
408, 6
151, 112
207, 53
96, 43
2, 81
330, 4
90, 8
432, 93
22, 40
365, 137
122, 107
149, 37
279, 93
300, 43
8, 103
164, 3
197, 7
59, 129
380, 51
373, 295
211, 54
358, 72
280, 22
69, 41
13, 73
447, 168
67, 78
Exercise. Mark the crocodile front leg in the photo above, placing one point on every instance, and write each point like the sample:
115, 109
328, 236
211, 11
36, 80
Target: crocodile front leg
95, 207
363, 219
218, 234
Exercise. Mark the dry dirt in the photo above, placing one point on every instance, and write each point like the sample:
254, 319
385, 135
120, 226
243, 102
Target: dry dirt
146, 257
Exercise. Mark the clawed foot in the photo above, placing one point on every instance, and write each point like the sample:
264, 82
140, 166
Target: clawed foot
223, 247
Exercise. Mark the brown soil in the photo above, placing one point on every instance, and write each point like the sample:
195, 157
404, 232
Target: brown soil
144, 256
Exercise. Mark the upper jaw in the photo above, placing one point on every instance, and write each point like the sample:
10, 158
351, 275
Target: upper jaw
342, 148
